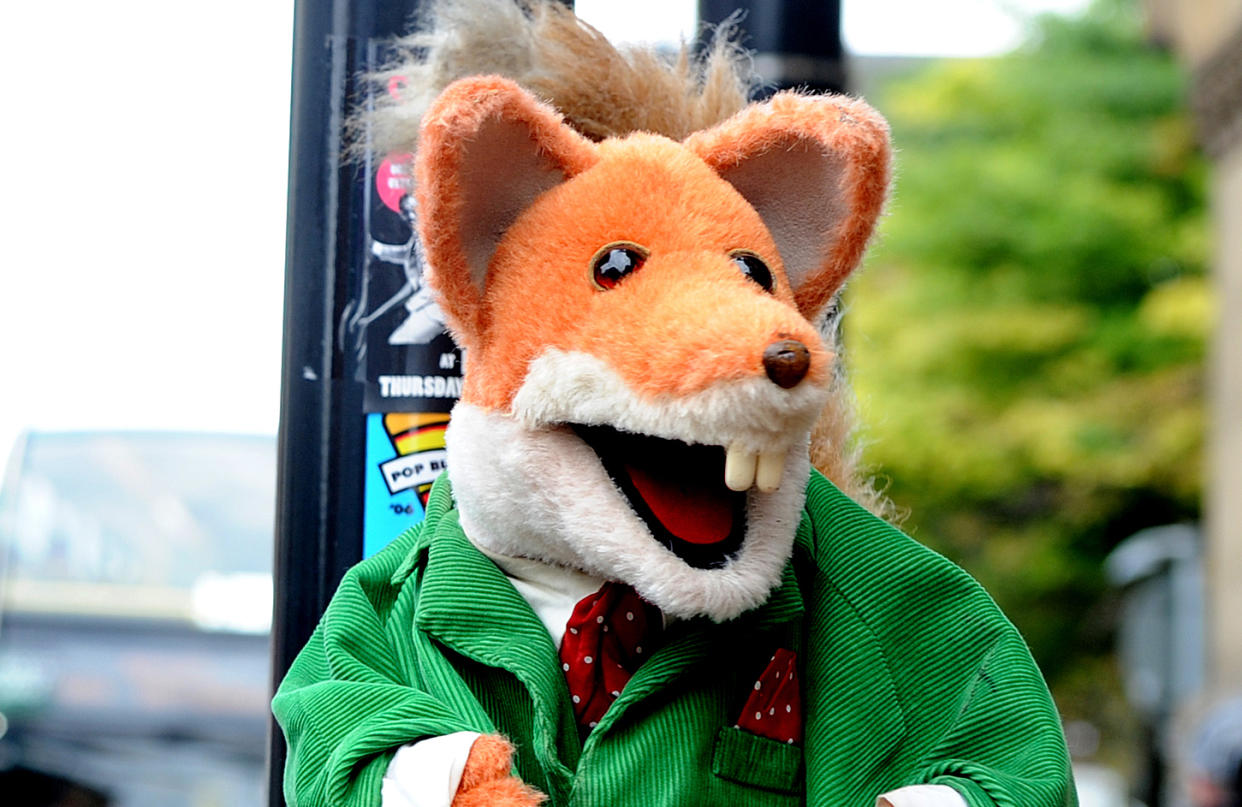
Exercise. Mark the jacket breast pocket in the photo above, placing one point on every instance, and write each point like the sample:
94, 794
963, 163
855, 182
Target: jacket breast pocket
755, 761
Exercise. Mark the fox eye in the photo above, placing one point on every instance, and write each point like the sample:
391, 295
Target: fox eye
754, 268
614, 262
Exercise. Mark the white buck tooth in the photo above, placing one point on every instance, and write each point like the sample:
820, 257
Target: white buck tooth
771, 466
739, 468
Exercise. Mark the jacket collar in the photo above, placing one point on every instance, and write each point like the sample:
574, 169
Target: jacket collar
466, 602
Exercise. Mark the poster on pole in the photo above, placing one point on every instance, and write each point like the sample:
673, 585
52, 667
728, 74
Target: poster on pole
412, 367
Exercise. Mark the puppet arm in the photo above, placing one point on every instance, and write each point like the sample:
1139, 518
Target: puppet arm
348, 703
948, 679
344, 709
465, 769
1006, 747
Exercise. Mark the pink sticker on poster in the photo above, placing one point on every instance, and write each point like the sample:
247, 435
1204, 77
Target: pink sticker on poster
395, 85
394, 180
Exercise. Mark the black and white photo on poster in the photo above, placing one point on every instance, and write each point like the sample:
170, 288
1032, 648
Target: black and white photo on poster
408, 360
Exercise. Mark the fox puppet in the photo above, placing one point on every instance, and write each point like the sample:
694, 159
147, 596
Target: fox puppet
631, 587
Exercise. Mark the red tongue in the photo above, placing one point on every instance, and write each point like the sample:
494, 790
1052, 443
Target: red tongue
696, 511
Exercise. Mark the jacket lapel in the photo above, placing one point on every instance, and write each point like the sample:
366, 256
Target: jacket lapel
467, 604
853, 717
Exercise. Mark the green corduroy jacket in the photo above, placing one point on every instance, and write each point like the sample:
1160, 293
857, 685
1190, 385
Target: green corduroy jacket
910, 675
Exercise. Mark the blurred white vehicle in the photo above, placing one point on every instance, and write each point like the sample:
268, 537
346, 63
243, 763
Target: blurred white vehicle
135, 603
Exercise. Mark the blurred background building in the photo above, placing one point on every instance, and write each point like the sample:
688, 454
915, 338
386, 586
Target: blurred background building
1207, 35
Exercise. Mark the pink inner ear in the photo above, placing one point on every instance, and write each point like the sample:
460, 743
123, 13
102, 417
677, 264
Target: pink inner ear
815, 168
487, 149
504, 173
796, 189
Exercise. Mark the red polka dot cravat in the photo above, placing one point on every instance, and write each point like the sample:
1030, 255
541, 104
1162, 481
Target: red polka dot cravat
774, 708
609, 634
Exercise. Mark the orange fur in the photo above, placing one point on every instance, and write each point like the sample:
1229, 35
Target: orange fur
603, 92
688, 299
689, 218
486, 781
507, 792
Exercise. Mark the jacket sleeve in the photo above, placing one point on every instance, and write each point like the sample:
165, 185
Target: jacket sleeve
1006, 746
348, 701
953, 688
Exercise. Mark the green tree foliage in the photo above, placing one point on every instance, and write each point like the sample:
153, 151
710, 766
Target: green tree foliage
1027, 341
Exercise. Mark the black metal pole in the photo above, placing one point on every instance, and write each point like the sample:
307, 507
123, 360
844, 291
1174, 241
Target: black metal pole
319, 492
797, 43
358, 430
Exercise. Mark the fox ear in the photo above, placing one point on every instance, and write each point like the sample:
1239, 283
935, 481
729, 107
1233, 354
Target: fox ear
487, 148
816, 169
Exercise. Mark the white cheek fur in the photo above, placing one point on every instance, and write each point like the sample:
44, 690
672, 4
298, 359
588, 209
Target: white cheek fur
569, 387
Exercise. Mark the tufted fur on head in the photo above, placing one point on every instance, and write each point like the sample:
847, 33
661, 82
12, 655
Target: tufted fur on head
600, 91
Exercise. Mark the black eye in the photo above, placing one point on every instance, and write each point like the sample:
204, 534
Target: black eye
612, 263
754, 268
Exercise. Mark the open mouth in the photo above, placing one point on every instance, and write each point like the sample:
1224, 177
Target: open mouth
678, 489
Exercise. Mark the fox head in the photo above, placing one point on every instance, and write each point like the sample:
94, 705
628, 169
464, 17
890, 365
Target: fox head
642, 365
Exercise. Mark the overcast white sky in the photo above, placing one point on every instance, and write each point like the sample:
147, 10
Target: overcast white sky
142, 198
907, 27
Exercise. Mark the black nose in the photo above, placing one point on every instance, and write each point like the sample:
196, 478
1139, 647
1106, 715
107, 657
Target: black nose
786, 362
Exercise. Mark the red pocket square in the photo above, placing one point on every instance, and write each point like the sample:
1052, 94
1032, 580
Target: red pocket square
774, 708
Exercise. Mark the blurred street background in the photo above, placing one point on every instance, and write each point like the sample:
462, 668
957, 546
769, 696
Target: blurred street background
1044, 343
